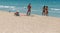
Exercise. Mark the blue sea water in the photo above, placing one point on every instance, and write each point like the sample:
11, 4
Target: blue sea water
21, 6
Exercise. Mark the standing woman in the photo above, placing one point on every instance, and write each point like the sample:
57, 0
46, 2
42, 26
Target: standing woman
46, 10
43, 12
29, 9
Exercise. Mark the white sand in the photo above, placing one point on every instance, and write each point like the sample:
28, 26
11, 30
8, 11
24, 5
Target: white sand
28, 24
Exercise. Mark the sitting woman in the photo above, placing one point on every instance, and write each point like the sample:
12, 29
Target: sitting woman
16, 14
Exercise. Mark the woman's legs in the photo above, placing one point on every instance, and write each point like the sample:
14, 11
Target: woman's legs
28, 13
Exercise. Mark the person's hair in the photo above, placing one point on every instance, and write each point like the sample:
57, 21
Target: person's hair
43, 7
46, 6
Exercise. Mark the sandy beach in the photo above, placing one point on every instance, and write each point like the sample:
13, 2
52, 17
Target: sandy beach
28, 24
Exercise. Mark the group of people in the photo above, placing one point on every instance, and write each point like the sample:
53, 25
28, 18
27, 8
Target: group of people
44, 12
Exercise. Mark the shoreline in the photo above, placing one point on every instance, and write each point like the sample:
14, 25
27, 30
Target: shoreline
31, 14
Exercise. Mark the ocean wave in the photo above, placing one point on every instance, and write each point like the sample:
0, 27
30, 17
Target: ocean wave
1, 6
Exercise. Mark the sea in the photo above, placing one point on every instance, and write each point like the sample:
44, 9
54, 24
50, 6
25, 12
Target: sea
37, 5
